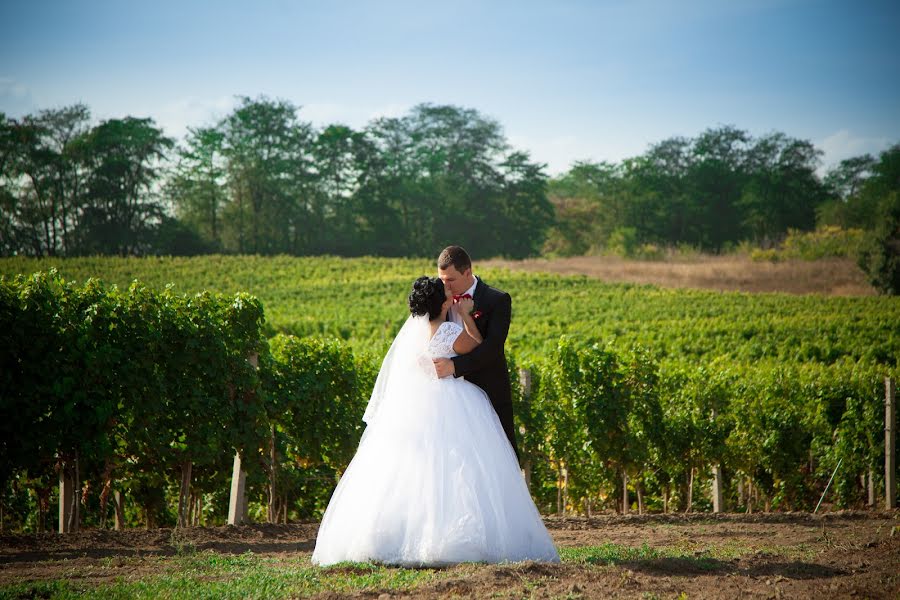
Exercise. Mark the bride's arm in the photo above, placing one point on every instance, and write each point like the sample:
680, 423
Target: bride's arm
465, 343
465, 308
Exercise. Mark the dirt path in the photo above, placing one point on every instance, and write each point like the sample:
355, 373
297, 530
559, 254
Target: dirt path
834, 277
726, 556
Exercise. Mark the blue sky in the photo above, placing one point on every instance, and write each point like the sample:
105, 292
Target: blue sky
567, 80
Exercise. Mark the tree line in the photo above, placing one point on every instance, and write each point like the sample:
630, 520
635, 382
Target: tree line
717, 189
263, 181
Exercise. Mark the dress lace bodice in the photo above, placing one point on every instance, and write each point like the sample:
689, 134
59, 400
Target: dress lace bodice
441, 344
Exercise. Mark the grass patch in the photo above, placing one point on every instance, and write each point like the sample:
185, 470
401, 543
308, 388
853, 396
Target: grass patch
211, 575
613, 554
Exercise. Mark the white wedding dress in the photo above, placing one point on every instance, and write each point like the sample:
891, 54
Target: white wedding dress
434, 480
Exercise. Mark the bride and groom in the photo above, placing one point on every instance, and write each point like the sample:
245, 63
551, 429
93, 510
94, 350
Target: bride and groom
435, 479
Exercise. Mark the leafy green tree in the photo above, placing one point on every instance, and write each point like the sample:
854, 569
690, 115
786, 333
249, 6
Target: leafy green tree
198, 187
716, 180
41, 180
344, 174
269, 172
447, 176
124, 160
880, 257
783, 190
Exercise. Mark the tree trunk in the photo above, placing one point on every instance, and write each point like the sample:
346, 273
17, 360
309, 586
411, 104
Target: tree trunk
185, 494
666, 499
149, 517
625, 503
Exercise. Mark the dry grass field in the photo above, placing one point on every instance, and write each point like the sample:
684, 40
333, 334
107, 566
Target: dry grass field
834, 277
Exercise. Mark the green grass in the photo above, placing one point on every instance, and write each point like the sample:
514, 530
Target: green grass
611, 554
209, 574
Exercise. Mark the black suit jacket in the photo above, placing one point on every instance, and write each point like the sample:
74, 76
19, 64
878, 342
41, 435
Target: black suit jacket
485, 366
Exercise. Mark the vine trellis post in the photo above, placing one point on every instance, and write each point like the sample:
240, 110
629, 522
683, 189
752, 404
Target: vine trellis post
525, 383
890, 444
716, 485
66, 498
237, 503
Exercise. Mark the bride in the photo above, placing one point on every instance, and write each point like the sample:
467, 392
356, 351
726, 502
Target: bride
434, 480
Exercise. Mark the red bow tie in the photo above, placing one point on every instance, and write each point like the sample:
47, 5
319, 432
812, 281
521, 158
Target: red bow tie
458, 297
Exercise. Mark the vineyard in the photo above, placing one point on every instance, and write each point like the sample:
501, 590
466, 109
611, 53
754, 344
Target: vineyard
627, 397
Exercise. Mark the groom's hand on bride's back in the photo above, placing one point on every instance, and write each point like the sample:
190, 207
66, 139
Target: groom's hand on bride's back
444, 367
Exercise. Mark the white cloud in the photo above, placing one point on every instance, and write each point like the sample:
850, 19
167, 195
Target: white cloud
389, 111
560, 152
843, 144
16, 99
176, 116
321, 114
325, 113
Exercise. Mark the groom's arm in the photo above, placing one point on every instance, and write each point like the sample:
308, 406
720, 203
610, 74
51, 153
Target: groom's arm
491, 348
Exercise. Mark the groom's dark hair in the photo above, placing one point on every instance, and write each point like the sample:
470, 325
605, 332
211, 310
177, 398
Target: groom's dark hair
456, 256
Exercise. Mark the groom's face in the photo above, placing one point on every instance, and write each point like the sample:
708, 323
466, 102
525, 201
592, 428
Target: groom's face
455, 281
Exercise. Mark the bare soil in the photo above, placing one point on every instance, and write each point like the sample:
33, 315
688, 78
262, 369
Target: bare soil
833, 277
775, 555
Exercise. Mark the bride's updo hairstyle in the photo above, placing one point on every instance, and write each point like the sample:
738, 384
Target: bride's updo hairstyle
427, 297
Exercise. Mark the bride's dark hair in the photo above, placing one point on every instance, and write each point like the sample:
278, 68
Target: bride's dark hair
427, 297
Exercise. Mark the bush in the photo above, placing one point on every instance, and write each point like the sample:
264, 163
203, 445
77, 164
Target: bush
622, 242
824, 242
880, 256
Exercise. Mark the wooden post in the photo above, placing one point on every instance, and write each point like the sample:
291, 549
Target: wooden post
525, 383
716, 481
237, 505
717, 488
625, 503
870, 483
890, 444
120, 510
66, 497
184, 494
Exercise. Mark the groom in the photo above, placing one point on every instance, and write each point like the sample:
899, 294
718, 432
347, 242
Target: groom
485, 366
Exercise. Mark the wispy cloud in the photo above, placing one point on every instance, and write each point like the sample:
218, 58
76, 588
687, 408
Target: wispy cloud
559, 153
177, 116
844, 144
356, 116
15, 98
